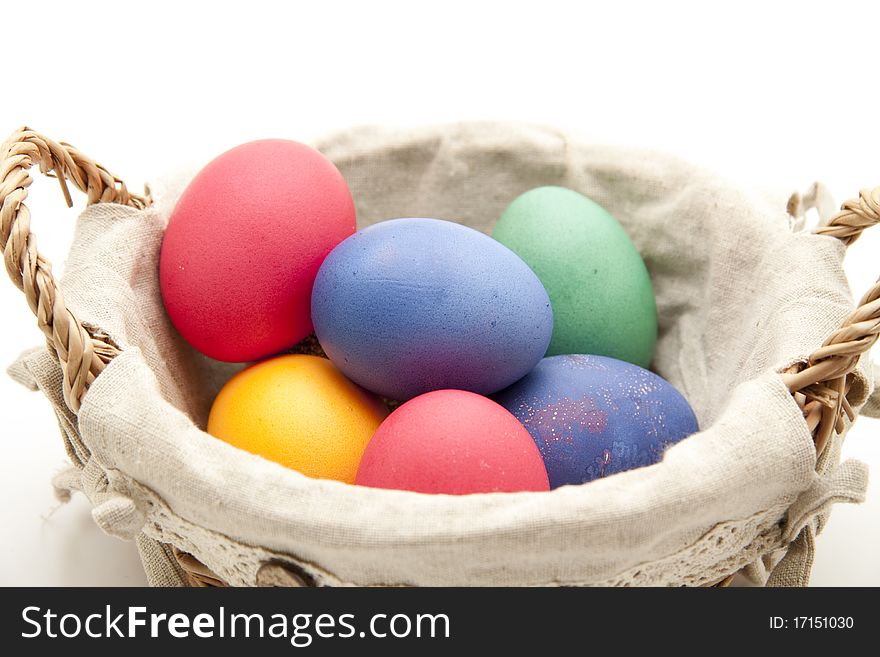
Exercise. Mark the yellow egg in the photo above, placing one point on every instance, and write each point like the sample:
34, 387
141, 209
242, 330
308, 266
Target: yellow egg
299, 411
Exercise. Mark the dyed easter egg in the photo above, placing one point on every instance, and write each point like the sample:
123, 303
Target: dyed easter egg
603, 300
454, 442
244, 243
299, 411
412, 305
592, 416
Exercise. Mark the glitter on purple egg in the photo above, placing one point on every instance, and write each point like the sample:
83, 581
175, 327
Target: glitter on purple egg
593, 416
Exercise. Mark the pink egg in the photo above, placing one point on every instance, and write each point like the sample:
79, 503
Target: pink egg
454, 442
244, 244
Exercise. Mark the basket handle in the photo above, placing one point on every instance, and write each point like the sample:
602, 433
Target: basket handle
854, 217
820, 385
82, 351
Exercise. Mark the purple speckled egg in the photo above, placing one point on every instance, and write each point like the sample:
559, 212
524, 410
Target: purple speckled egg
592, 416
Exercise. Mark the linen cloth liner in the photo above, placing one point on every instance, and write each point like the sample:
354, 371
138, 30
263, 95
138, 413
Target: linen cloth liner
739, 297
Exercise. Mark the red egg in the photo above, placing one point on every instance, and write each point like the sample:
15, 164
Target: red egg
244, 244
454, 442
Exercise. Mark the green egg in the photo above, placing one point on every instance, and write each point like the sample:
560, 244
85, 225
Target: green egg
601, 293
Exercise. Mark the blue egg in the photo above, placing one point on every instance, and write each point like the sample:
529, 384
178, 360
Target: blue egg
592, 416
412, 305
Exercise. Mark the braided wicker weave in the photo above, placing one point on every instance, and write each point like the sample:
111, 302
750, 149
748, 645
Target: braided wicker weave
82, 352
819, 385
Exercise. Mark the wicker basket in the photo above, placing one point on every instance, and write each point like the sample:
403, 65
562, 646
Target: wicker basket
819, 384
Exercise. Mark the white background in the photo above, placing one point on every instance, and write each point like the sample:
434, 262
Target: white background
772, 95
